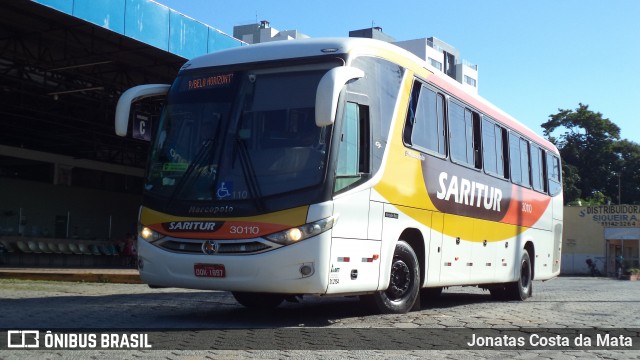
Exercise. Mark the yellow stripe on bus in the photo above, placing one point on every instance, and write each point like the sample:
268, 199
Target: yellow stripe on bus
468, 229
290, 217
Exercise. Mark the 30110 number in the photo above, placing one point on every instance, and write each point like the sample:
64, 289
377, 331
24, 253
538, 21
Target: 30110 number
244, 230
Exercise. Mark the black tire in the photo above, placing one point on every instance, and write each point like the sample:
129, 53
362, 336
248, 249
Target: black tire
519, 290
404, 283
258, 301
523, 288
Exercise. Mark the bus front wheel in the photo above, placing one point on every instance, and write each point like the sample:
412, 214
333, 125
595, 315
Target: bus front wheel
404, 283
258, 301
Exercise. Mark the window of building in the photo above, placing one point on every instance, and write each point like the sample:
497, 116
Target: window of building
424, 128
470, 81
436, 64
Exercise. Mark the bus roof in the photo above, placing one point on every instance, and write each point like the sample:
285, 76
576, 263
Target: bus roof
305, 48
280, 50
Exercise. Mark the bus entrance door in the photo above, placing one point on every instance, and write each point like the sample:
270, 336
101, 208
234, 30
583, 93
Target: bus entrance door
355, 245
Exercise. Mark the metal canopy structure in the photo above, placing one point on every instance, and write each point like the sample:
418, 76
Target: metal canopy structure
60, 79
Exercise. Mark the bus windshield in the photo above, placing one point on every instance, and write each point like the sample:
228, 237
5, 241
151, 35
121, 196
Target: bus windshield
238, 136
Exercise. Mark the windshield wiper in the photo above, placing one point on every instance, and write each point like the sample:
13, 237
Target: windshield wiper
197, 160
250, 174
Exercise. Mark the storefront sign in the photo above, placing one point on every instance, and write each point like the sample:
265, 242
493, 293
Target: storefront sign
613, 215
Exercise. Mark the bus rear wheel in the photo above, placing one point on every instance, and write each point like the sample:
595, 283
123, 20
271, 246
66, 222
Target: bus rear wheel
258, 301
523, 288
519, 290
404, 283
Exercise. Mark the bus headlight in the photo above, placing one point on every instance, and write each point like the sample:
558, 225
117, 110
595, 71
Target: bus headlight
148, 234
293, 235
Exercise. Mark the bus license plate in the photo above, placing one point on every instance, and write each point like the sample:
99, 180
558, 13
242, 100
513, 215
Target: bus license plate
209, 270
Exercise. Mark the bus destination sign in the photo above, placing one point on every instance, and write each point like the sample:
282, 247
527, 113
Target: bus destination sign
209, 82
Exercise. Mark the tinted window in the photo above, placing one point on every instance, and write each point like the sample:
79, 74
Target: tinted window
514, 158
458, 132
465, 135
553, 172
519, 160
493, 149
424, 129
353, 154
381, 86
537, 169
524, 162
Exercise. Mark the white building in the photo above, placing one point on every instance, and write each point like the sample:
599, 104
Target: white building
436, 52
263, 32
445, 58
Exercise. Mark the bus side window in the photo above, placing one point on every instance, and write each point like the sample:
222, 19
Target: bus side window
538, 169
407, 135
464, 127
524, 161
505, 152
493, 148
476, 133
553, 171
424, 129
519, 159
514, 158
353, 154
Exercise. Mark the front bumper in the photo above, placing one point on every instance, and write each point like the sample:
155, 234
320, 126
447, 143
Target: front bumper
275, 271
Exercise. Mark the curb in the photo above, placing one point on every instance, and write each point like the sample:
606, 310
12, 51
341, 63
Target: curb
89, 275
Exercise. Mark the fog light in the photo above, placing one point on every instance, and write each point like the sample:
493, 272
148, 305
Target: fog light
140, 264
306, 270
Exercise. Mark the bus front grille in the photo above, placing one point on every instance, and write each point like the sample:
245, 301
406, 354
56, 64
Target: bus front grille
195, 247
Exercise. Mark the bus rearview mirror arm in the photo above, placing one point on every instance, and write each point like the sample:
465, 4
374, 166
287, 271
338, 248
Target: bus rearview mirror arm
329, 90
128, 97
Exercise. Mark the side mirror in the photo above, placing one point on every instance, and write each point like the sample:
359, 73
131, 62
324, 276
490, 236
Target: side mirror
329, 90
134, 94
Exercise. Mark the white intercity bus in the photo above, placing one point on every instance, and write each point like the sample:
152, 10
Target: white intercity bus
341, 167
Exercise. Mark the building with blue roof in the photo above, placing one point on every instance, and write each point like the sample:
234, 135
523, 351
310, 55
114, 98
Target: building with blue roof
64, 174
149, 22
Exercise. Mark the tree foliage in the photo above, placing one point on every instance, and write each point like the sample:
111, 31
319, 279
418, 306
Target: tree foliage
628, 165
597, 165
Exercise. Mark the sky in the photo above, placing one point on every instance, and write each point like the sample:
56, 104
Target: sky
534, 57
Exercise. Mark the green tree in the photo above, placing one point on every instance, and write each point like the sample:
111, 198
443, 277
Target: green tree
597, 198
626, 180
586, 141
570, 181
